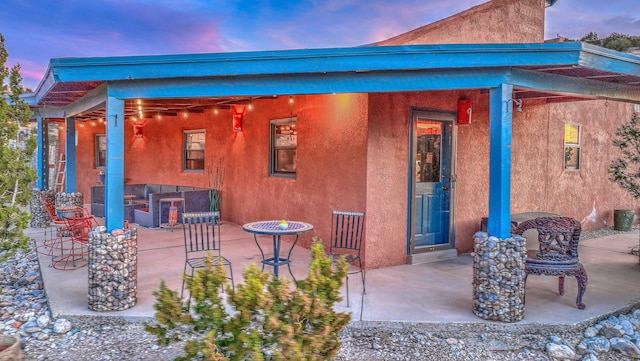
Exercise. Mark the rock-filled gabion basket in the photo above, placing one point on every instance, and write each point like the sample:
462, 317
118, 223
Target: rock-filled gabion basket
113, 278
39, 216
69, 199
498, 277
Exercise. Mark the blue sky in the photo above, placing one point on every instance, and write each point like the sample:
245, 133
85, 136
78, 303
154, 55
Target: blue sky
39, 30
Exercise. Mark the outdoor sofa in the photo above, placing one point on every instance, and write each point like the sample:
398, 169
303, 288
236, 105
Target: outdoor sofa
144, 204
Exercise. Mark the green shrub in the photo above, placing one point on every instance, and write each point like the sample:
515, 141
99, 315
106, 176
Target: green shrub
265, 318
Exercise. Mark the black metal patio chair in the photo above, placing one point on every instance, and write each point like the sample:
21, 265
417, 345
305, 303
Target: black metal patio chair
347, 235
201, 241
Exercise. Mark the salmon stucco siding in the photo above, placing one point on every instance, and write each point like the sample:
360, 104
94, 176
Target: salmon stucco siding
353, 153
497, 21
332, 156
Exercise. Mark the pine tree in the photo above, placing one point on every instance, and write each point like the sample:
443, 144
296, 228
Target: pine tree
625, 171
17, 146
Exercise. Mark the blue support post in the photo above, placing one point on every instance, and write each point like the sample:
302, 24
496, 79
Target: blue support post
114, 177
43, 152
70, 155
500, 111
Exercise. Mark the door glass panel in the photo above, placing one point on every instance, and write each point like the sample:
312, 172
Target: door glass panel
428, 152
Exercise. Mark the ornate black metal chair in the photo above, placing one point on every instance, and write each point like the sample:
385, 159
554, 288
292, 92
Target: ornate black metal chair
347, 233
557, 255
201, 240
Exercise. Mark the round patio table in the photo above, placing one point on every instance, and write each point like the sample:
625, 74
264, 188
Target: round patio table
272, 228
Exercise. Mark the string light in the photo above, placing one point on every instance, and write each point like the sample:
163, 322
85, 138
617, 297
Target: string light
291, 124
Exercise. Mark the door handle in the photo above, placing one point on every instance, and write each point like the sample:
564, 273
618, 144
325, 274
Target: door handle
444, 188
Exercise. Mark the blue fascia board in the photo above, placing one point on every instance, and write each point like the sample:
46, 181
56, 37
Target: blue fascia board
309, 84
594, 50
620, 65
29, 98
360, 59
45, 85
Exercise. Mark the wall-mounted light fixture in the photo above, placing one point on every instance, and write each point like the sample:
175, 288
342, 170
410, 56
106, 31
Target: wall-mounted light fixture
516, 102
464, 111
238, 112
137, 130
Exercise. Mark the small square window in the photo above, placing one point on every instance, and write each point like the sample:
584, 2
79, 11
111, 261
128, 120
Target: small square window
193, 150
284, 147
572, 134
101, 150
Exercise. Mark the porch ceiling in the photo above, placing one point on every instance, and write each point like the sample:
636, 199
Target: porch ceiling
607, 78
152, 108
194, 83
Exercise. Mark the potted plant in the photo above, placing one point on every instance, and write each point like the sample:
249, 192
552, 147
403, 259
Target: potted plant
216, 180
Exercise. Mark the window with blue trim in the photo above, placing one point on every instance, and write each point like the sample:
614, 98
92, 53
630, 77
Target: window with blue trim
572, 146
284, 147
193, 150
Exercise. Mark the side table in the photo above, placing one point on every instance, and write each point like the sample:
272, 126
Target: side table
271, 228
172, 204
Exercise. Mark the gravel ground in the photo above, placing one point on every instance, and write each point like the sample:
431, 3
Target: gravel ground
108, 338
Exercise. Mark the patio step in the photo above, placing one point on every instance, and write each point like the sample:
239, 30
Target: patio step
435, 256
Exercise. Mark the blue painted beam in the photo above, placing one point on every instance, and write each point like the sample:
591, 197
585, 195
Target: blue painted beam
70, 155
321, 61
310, 84
500, 114
114, 177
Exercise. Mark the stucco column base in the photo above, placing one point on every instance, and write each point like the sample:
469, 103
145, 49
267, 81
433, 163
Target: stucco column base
498, 277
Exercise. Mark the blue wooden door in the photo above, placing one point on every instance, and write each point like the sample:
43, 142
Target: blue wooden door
431, 181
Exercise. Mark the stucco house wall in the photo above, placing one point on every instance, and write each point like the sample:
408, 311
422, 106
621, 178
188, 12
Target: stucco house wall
497, 21
332, 150
586, 195
539, 181
353, 154
86, 171
353, 150
331, 167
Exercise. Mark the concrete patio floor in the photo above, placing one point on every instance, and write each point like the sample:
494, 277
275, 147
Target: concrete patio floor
435, 293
